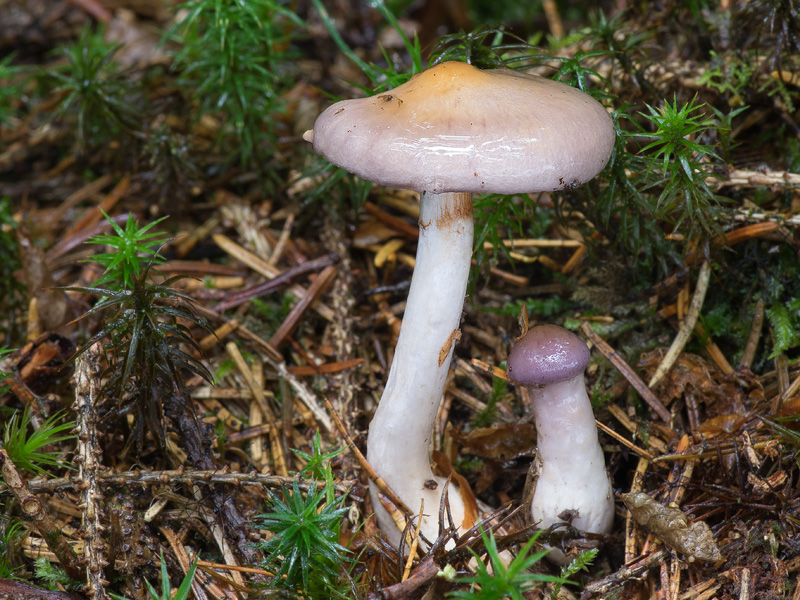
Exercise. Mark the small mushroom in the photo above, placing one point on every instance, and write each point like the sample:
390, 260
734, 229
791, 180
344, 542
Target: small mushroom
448, 132
572, 482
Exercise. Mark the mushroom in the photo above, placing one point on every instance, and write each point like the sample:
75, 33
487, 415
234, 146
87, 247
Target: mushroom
448, 132
573, 484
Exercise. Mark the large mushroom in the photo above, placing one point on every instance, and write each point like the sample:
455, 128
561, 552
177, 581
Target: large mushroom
573, 485
448, 132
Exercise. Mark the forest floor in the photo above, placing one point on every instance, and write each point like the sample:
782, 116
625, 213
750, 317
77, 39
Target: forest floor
190, 389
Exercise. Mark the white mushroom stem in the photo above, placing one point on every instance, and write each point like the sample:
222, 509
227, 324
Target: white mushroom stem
572, 471
398, 446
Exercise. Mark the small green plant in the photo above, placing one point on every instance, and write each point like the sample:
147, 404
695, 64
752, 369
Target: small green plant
785, 322
53, 577
729, 75
132, 249
481, 47
497, 217
498, 581
680, 164
488, 48
95, 90
623, 44
304, 552
578, 564
143, 342
24, 443
599, 396
183, 591
11, 536
145, 336
271, 311
623, 212
499, 389
574, 71
235, 58
318, 464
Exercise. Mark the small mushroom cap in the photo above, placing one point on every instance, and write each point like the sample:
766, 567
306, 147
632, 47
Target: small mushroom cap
547, 354
455, 128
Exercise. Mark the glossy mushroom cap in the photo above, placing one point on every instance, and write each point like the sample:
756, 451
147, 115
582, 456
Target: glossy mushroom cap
455, 128
547, 354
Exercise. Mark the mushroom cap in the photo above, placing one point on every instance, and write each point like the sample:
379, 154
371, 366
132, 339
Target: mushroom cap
455, 128
547, 354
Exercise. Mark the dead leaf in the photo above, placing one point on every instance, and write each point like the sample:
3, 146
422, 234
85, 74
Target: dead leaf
762, 486
371, 231
501, 442
693, 374
139, 43
789, 413
42, 361
51, 302
442, 467
722, 424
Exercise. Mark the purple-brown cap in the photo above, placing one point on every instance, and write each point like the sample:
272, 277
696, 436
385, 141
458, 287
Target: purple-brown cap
547, 354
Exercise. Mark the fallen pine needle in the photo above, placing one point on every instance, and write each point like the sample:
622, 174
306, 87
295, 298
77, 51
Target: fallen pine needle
687, 326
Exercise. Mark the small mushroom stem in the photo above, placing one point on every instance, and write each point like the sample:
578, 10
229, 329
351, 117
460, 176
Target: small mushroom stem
398, 446
572, 483
565, 430
572, 473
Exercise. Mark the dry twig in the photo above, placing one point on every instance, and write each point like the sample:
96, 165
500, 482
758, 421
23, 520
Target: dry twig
629, 374
87, 385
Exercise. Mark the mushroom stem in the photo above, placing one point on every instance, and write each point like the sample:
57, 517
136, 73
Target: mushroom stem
572, 475
398, 446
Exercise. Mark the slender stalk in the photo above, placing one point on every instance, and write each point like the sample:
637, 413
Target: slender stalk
572, 475
400, 432
87, 384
